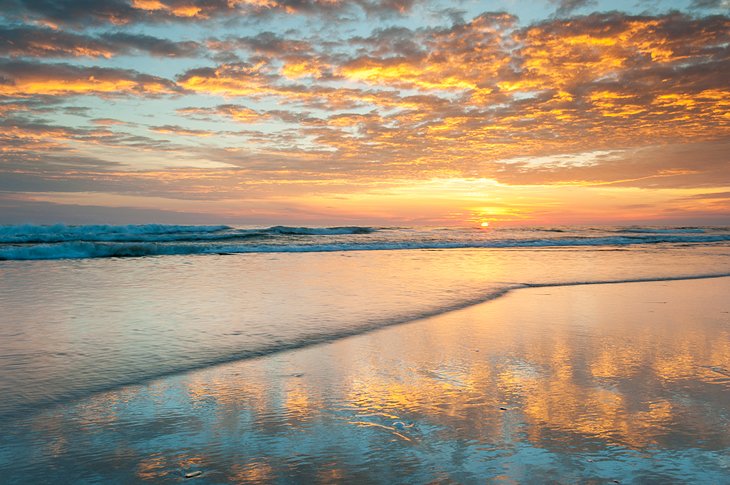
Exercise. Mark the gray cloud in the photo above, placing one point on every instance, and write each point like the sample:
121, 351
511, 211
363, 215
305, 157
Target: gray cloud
710, 4
82, 13
567, 7
710, 196
689, 165
23, 78
31, 41
17, 210
131, 43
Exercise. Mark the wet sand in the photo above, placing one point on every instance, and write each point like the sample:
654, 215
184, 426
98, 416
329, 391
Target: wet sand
621, 382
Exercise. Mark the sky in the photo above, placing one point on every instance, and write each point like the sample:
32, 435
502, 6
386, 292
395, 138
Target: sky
407, 112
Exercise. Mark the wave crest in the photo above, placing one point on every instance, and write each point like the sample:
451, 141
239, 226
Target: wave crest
670, 230
283, 244
321, 231
32, 233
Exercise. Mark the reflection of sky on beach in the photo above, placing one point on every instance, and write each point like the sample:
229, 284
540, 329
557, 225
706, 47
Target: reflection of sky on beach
614, 382
109, 322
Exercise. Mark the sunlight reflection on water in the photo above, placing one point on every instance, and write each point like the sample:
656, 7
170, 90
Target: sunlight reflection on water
593, 383
70, 328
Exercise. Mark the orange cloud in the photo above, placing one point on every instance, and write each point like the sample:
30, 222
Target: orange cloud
177, 10
72, 12
487, 90
605, 100
28, 79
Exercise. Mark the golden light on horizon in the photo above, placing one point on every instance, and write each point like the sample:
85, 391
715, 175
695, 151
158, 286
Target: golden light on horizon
501, 118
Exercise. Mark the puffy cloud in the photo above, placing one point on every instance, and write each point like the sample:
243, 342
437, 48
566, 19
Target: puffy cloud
607, 99
72, 12
122, 12
33, 41
464, 57
17, 210
489, 90
264, 43
126, 43
261, 80
246, 115
23, 78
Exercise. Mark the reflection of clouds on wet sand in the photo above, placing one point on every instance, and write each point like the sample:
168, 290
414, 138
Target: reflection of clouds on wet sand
593, 382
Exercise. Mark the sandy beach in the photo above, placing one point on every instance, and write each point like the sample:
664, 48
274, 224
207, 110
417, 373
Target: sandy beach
605, 383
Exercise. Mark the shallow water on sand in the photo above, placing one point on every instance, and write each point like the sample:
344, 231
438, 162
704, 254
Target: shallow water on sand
69, 328
626, 383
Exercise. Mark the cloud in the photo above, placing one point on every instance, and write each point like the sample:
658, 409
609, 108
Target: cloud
263, 80
710, 196
32, 41
606, 99
567, 7
264, 43
180, 131
83, 13
246, 115
710, 4
18, 210
34, 105
138, 43
23, 78
689, 165
488, 90
464, 57
73, 12
108, 121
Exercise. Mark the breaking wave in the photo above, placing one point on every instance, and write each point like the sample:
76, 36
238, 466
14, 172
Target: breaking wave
30, 233
320, 231
29, 242
672, 230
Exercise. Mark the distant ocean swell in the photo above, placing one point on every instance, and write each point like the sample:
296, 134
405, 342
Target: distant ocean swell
28, 233
30, 242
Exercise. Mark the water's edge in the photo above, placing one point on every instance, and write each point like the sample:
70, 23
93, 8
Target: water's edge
318, 339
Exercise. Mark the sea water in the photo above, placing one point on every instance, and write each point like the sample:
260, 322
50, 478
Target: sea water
86, 309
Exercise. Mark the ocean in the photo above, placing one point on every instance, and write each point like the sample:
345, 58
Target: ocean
92, 309
89, 308
24, 242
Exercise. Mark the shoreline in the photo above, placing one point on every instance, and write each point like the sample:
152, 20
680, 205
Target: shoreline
571, 384
332, 338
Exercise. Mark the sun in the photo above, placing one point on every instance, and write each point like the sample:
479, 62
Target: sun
485, 224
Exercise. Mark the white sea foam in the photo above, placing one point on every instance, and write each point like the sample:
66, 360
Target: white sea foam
320, 231
61, 242
670, 230
151, 233
31, 233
